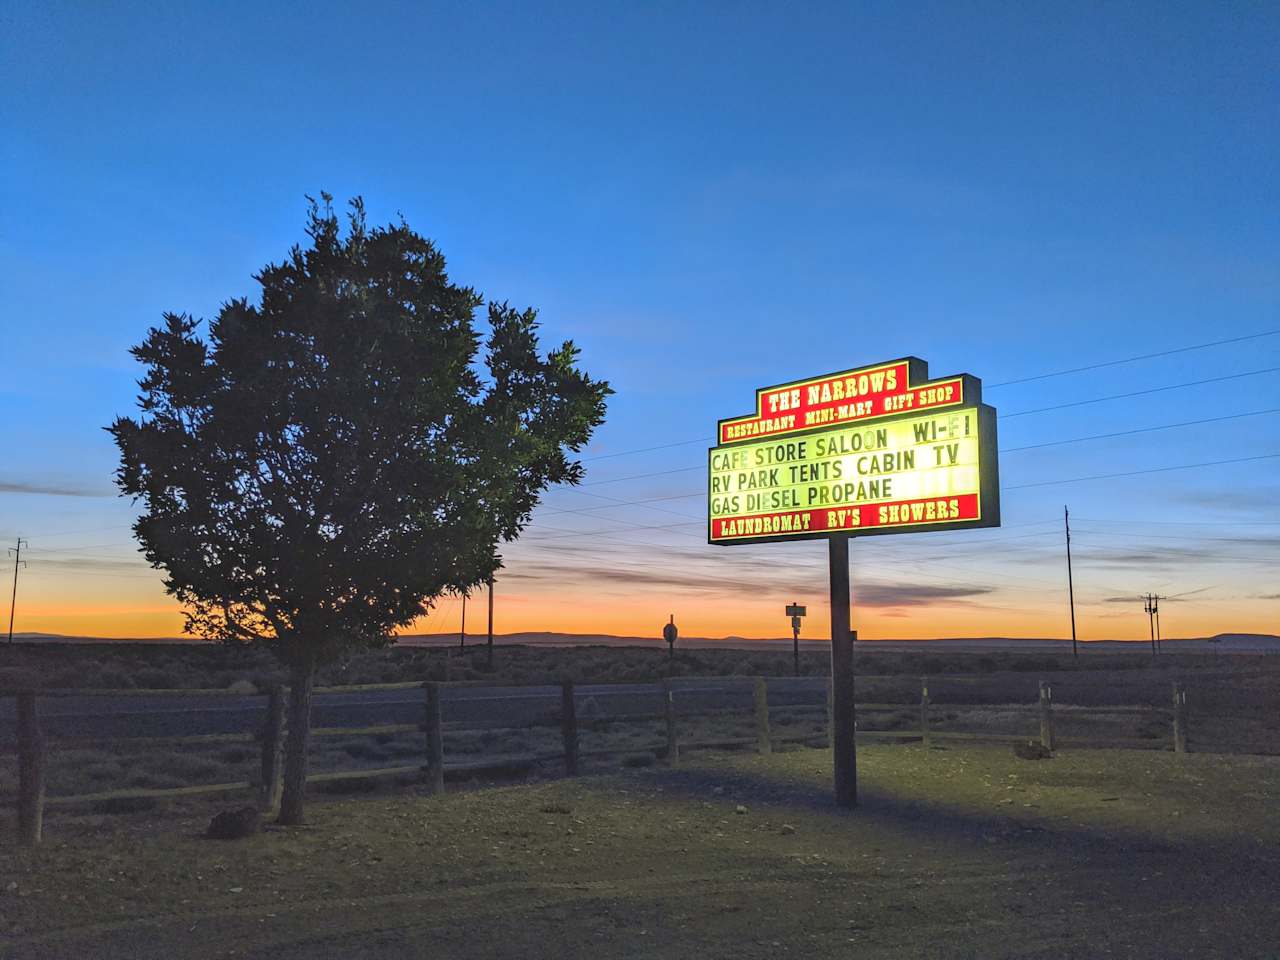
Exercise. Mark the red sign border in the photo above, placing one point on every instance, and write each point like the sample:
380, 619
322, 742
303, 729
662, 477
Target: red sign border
917, 378
988, 470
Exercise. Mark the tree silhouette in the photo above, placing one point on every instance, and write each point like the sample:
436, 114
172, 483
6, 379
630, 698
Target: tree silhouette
334, 458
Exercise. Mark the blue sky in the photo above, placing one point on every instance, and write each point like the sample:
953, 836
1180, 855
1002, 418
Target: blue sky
708, 198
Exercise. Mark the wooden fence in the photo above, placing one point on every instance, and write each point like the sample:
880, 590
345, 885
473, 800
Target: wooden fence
33, 747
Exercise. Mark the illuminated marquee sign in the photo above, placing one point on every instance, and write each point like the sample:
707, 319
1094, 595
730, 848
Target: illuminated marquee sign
870, 451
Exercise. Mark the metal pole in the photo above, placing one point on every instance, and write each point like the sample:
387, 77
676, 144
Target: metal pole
13, 601
795, 644
1071, 592
842, 703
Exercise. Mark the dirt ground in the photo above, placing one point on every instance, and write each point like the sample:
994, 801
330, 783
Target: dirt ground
953, 853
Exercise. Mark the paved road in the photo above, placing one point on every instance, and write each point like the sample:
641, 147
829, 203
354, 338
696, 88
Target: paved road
179, 715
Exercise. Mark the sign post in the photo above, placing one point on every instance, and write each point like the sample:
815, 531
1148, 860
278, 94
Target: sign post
795, 612
866, 452
842, 731
669, 634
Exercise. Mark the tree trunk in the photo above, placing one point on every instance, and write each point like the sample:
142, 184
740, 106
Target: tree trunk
301, 678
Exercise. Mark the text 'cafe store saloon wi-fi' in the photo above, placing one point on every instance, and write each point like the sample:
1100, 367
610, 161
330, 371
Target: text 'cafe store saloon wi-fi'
866, 452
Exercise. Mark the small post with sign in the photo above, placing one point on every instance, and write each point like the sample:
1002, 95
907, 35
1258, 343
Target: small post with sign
795, 612
1179, 717
669, 714
433, 726
760, 696
669, 634
924, 713
1046, 716
876, 450
569, 727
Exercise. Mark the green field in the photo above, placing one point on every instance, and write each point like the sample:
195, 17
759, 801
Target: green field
954, 853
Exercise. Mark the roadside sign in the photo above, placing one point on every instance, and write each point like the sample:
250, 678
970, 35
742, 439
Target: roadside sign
871, 451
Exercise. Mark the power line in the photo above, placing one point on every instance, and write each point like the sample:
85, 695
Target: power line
1125, 433
662, 446
1261, 541
1141, 356
1022, 486
993, 386
1033, 446
88, 546
644, 476
1134, 473
1198, 523
1139, 393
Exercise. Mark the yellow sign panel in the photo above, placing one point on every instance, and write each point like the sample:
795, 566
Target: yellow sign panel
928, 471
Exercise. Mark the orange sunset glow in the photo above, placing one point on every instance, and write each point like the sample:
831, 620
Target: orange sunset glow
139, 608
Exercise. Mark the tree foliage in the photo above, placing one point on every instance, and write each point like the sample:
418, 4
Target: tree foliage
331, 459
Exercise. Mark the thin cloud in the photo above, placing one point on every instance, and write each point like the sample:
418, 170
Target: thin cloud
912, 594
90, 564
748, 579
50, 490
1248, 500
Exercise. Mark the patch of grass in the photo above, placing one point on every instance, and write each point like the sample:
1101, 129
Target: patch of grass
346, 786
122, 805
103, 771
186, 767
952, 854
363, 750
237, 754
154, 781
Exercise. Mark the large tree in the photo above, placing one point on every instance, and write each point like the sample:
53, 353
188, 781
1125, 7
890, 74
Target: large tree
332, 459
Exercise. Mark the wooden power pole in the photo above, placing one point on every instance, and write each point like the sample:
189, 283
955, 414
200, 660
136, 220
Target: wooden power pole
1148, 606
1071, 592
13, 600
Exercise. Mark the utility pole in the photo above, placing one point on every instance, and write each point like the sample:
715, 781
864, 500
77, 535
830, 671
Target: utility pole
13, 601
1071, 592
1155, 604
462, 631
1149, 607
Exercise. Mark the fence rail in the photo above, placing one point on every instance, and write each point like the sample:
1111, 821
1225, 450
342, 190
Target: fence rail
33, 747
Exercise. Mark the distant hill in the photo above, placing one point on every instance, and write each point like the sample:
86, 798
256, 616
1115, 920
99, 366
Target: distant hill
1221, 643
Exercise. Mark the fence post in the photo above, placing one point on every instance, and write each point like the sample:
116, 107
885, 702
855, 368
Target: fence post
272, 741
1046, 715
1179, 718
924, 712
569, 728
669, 711
764, 739
31, 759
435, 738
